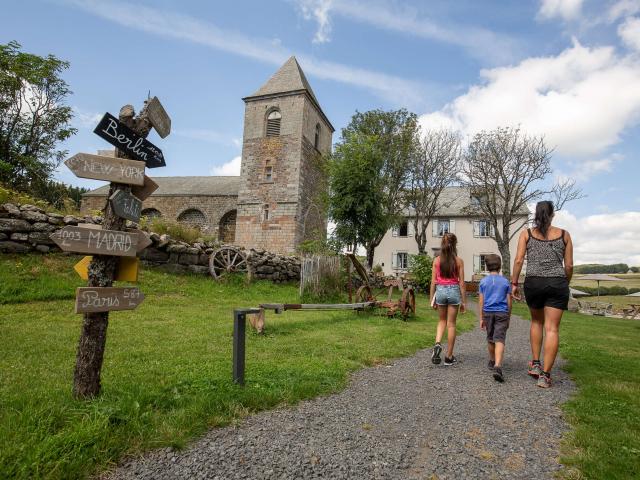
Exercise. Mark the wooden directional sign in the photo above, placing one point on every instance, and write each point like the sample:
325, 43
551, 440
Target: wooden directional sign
111, 169
126, 271
158, 117
144, 240
122, 137
146, 189
126, 205
100, 242
106, 299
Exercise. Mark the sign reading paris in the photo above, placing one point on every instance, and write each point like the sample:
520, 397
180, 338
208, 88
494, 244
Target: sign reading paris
122, 137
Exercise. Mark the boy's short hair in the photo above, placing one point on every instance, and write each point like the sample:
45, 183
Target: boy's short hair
493, 262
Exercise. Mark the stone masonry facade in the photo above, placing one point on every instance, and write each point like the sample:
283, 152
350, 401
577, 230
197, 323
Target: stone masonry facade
277, 203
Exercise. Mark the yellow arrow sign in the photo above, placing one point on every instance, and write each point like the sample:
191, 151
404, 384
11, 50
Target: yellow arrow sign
127, 270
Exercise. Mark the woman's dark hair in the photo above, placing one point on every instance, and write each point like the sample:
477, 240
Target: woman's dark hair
448, 253
544, 214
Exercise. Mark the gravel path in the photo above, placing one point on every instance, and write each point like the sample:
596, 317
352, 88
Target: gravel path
409, 420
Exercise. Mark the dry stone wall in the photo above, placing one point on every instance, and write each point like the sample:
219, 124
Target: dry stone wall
26, 228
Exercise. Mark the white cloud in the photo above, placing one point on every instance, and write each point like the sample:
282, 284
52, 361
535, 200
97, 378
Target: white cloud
629, 32
318, 10
581, 100
393, 16
623, 8
603, 238
584, 169
86, 119
565, 9
231, 168
191, 29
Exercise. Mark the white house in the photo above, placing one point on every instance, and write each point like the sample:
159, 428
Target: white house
474, 234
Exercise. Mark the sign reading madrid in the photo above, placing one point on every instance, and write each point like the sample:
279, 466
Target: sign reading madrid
122, 137
106, 299
100, 242
111, 169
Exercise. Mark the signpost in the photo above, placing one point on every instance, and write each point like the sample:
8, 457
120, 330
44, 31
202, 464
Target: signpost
111, 169
146, 189
100, 242
113, 249
122, 137
126, 271
126, 205
158, 117
106, 299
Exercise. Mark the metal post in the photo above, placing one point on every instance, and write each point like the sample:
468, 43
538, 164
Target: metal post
239, 330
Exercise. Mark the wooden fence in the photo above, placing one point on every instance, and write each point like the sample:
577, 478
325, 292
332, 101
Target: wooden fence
320, 275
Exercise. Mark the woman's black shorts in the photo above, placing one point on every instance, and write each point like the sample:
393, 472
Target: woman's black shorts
540, 292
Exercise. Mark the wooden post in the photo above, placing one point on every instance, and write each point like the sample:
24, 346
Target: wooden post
86, 377
349, 280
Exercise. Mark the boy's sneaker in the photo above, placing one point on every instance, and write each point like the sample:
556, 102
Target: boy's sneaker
435, 356
450, 361
491, 364
497, 375
544, 380
535, 369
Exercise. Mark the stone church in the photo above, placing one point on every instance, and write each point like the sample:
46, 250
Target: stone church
275, 202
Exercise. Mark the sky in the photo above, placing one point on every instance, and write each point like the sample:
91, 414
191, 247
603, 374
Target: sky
568, 70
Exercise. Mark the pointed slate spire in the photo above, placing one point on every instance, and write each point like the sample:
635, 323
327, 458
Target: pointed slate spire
289, 78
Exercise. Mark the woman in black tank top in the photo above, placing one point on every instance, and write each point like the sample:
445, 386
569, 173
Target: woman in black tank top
549, 254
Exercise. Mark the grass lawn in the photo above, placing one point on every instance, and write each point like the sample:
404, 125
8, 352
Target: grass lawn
167, 370
628, 280
604, 361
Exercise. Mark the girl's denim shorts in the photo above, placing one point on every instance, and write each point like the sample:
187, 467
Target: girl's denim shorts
448, 295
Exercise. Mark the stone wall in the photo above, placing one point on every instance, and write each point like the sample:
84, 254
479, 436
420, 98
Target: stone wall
26, 228
171, 206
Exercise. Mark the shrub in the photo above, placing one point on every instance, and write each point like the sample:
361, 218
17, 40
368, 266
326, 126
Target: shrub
175, 230
420, 268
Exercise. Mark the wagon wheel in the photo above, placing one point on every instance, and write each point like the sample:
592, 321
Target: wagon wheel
364, 294
227, 260
408, 303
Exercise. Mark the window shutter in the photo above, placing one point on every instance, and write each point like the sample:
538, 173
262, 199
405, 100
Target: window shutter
394, 260
492, 230
394, 231
476, 228
410, 230
452, 226
476, 264
434, 228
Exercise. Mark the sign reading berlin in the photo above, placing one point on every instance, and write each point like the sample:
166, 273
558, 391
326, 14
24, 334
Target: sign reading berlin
122, 137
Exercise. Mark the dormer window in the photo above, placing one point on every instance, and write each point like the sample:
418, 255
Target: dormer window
273, 123
316, 140
268, 171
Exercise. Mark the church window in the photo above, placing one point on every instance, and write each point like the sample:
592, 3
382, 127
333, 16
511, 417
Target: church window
268, 171
273, 123
193, 217
265, 212
316, 140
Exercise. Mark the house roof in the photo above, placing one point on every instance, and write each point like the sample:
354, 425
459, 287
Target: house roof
453, 202
288, 79
194, 186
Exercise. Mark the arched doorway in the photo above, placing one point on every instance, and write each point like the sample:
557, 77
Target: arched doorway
194, 218
227, 227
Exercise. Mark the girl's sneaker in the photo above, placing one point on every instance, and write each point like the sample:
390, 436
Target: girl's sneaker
435, 356
544, 380
497, 375
450, 361
535, 370
491, 364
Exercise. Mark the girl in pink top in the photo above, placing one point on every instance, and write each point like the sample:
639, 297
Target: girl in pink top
447, 295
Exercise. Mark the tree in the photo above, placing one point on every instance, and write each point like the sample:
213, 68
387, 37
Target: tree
434, 168
502, 169
381, 146
33, 117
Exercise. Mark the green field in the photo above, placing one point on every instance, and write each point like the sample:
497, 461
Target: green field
167, 369
628, 280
